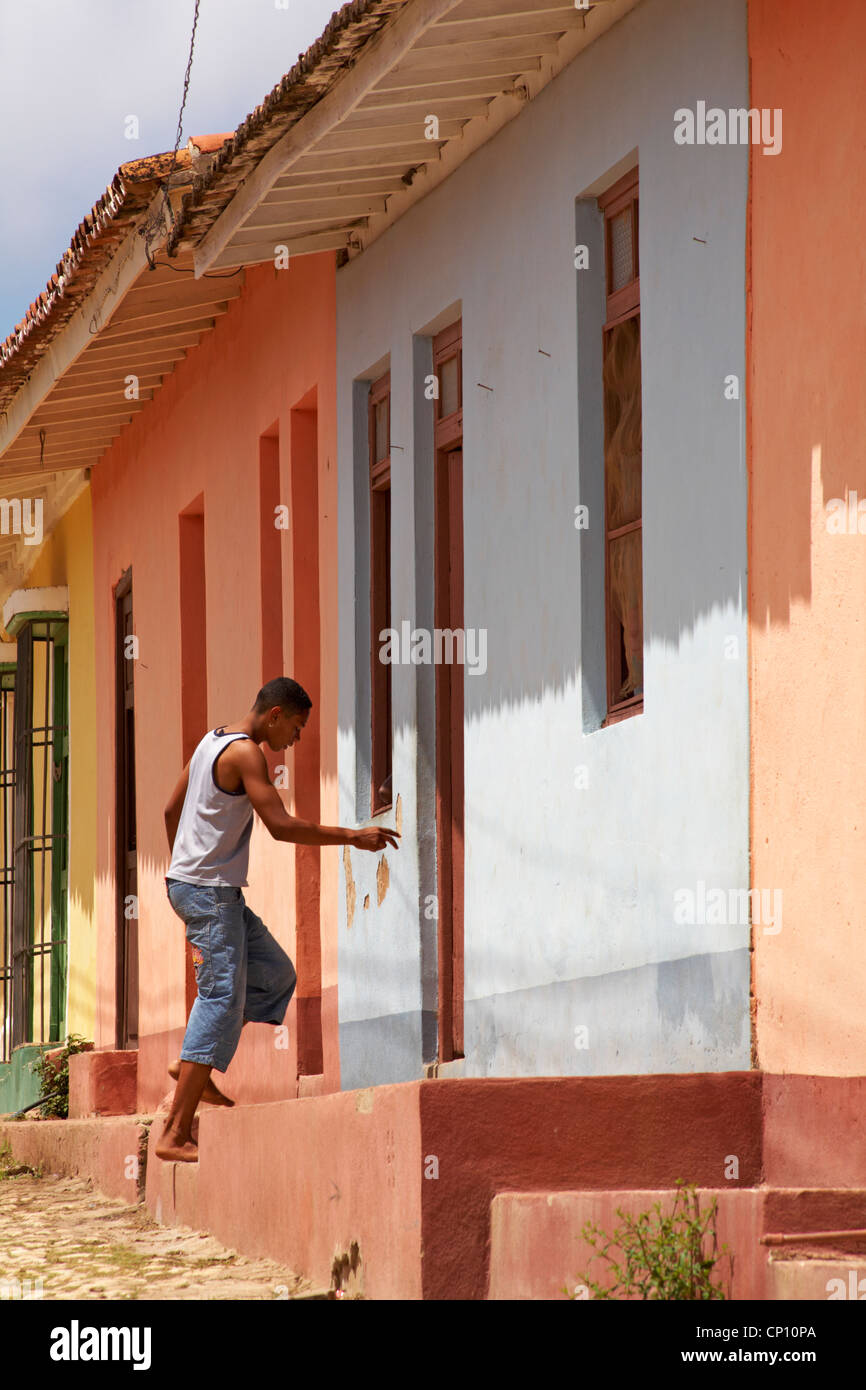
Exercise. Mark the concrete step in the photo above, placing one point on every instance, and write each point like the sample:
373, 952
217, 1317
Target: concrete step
788, 1210
109, 1151
778, 1238
332, 1182
537, 1250
468, 1188
816, 1243
802, 1277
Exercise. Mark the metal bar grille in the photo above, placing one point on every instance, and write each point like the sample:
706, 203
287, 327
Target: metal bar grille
39, 838
7, 787
22, 897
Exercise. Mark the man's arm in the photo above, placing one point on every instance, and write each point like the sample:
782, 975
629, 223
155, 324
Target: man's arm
175, 806
265, 799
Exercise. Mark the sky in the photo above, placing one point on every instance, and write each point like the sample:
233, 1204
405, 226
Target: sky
72, 71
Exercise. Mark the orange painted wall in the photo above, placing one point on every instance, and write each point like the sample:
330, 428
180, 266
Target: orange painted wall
807, 444
200, 434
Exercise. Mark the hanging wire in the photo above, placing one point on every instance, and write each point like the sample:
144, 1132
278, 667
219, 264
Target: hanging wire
186, 83
153, 225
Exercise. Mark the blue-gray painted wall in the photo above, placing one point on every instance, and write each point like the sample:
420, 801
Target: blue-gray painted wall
569, 903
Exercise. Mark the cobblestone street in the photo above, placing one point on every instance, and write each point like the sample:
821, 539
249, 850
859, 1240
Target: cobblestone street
81, 1245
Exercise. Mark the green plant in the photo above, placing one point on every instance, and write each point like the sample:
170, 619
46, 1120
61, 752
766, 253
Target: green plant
53, 1076
670, 1257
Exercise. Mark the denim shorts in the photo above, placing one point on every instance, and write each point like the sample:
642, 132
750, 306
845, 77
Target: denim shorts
242, 974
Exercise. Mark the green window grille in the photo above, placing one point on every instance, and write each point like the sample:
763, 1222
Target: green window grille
39, 840
7, 791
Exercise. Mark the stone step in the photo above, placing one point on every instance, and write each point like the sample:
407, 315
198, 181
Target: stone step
801, 1209
800, 1278
538, 1249
522, 1162
109, 1151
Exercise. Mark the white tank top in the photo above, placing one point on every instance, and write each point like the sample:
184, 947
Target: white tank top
212, 844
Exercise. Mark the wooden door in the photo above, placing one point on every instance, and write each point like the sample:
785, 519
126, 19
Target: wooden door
126, 857
449, 751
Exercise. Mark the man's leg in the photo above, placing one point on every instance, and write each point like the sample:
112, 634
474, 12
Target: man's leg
211, 1093
271, 977
216, 931
176, 1143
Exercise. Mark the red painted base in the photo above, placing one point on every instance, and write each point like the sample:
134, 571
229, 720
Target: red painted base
475, 1188
102, 1083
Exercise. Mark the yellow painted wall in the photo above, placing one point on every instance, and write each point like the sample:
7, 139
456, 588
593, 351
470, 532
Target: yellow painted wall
67, 558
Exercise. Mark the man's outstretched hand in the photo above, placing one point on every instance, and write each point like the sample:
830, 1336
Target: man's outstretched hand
374, 837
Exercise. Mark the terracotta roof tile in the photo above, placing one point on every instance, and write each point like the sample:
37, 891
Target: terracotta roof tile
90, 250
339, 46
227, 159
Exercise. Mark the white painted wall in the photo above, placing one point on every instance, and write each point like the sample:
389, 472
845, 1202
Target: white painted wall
569, 909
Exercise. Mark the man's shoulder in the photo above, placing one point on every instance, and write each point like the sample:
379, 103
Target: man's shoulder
242, 750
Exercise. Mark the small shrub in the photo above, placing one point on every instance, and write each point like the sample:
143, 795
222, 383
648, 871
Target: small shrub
669, 1257
53, 1073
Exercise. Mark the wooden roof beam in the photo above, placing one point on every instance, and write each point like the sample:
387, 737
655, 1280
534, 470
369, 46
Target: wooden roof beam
107, 413
300, 186
506, 102
476, 28
371, 117
263, 251
273, 216
107, 293
382, 53
155, 359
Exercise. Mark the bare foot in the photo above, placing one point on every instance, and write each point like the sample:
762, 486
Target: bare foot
173, 1152
211, 1093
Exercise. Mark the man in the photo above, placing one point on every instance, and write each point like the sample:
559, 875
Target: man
242, 974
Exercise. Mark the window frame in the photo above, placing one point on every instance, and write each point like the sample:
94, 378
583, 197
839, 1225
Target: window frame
449, 702
448, 429
620, 306
381, 715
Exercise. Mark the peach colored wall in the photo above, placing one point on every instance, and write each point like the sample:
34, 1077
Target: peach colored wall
201, 435
807, 426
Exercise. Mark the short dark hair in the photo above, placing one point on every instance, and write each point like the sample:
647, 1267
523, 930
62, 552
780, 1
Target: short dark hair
286, 693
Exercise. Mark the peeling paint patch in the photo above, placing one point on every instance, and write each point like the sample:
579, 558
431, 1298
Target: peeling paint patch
346, 1275
351, 891
364, 1101
398, 815
383, 879
366, 901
